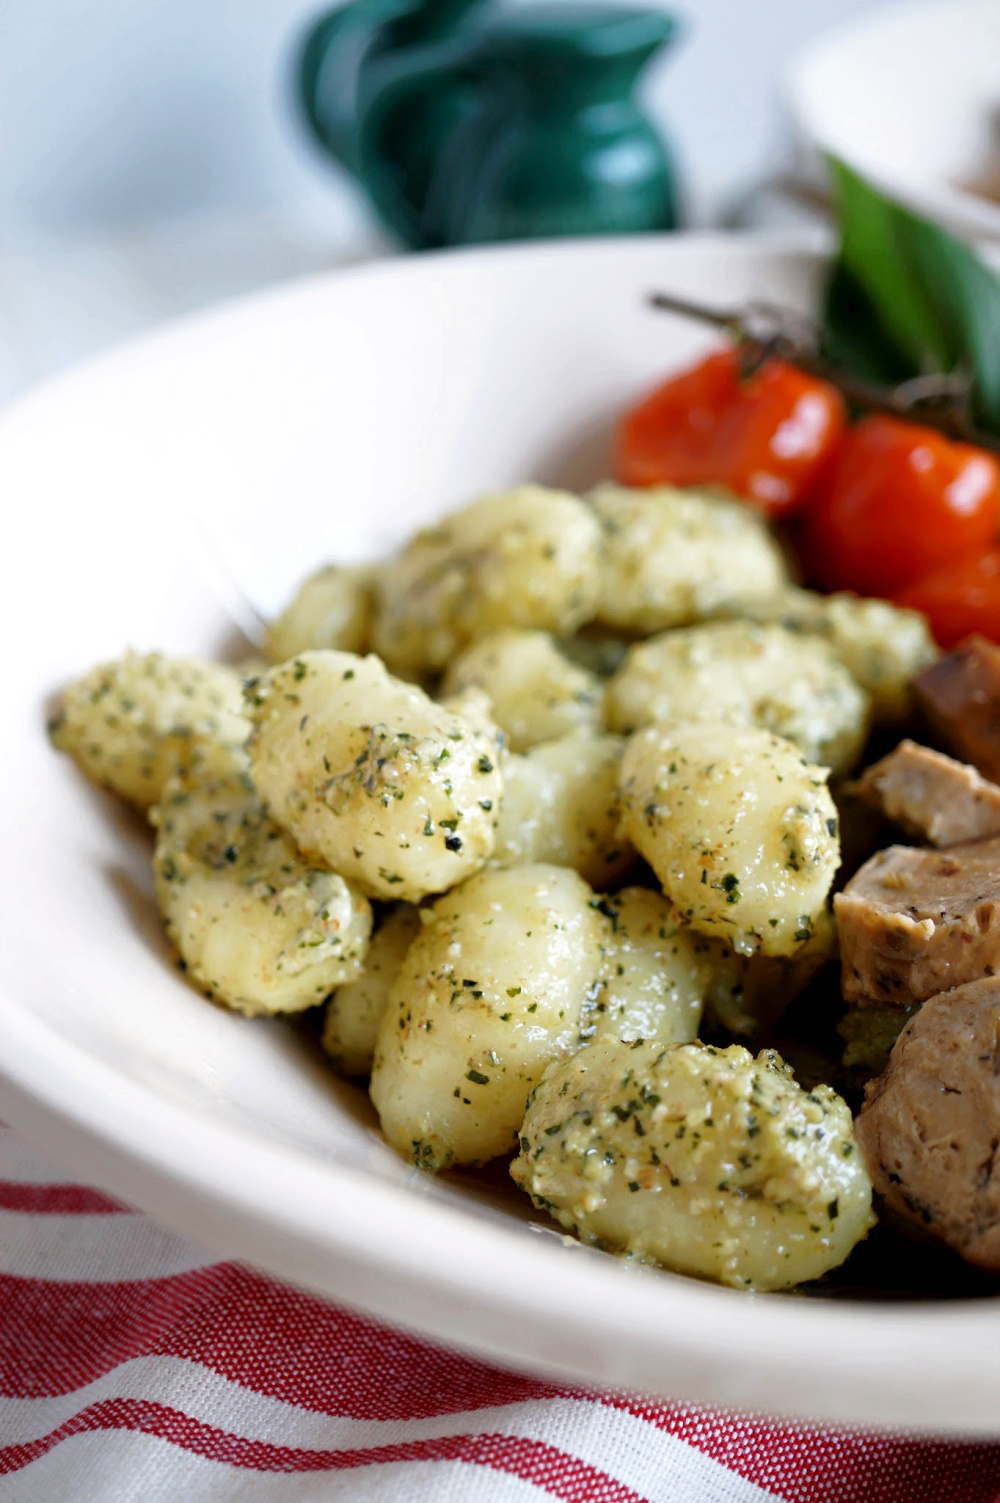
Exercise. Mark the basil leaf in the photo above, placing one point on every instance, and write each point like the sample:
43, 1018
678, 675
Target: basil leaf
906, 297
854, 336
969, 295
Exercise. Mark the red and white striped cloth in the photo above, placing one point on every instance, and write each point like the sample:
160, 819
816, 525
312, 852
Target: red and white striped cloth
135, 1369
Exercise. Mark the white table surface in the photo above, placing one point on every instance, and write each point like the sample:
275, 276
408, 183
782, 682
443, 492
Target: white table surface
64, 298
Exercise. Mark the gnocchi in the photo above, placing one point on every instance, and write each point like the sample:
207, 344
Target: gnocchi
703, 1160
491, 991
353, 1013
526, 557
561, 804
881, 645
656, 971
128, 724
739, 828
670, 557
372, 778
332, 608
535, 692
258, 927
749, 674
747, 994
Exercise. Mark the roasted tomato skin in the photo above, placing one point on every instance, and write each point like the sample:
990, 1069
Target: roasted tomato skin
898, 501
960, 598
766, 437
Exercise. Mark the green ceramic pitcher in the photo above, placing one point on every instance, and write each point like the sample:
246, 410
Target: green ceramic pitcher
340, 48
523, 123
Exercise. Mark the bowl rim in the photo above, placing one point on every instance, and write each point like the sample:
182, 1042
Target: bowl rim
964, 212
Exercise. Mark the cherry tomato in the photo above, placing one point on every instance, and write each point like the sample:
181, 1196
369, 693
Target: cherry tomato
766, 437
899, 500
959, 598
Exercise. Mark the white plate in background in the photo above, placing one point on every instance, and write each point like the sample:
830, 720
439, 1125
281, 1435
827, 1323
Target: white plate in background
320, 421
910, 99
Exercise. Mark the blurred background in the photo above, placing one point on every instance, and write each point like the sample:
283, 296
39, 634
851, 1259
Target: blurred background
153, 158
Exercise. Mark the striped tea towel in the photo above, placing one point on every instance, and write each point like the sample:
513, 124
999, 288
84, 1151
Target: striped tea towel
136, 1369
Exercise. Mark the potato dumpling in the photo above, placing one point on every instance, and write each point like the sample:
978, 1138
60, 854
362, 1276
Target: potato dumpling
354, 1011
128, 723
882, 646
561, 804
748, 993
372, 778
670, 557
256, 925
706, 1161
537, 694
490, 992
749, 674
332, 608
655, 971
739, 828
525, 557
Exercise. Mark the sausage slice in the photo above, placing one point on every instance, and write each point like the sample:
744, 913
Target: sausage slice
930, 796
916, 922
930, 1128
959, 696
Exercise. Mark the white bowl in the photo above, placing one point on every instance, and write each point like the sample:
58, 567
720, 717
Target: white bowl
327, 420
910, 98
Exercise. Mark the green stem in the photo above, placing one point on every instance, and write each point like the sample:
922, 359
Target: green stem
765, 330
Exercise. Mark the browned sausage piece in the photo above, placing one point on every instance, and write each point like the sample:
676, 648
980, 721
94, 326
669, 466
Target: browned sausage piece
931, 796
930, 1128
915, 922
959, 696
